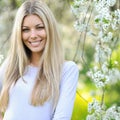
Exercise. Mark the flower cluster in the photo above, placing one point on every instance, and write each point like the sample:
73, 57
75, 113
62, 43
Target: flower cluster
104, 76
112, 113
105, 38
104, 19
94, 107
79, 8
95, 110
105, 16
102, 53
99, 112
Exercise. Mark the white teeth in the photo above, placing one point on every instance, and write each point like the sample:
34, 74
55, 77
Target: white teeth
36, 43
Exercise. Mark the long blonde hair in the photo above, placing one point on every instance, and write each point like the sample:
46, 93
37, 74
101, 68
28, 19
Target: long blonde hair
48, 79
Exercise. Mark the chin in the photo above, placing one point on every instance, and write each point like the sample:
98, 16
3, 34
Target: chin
36, 50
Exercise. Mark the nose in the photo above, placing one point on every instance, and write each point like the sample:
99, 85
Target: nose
33, 34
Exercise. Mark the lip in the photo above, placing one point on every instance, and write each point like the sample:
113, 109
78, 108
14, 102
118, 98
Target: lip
34, 41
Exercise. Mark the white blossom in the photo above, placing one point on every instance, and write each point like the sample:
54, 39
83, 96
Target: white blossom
104, 67
117, 15
80, 27
98, 77
111, 2
112, 113
114, 75
96, 110
107, 37
102, 53
114, 24
94, 105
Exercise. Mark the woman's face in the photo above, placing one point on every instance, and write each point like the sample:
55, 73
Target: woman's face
33, 33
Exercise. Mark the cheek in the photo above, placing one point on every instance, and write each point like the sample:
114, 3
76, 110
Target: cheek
45, 35
24, 37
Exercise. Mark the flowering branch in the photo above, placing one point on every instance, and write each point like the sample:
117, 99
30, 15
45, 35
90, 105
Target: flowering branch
105, 28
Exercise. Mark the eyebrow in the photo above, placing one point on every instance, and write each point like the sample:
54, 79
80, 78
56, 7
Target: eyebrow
35, 25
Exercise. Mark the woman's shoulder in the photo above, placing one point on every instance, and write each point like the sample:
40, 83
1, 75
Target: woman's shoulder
69, 66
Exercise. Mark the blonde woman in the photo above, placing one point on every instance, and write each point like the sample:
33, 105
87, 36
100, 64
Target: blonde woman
37, 84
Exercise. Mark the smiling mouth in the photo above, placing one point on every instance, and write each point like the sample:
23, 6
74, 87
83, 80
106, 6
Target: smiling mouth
35, 43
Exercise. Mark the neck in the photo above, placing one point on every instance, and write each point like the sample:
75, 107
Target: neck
35, 58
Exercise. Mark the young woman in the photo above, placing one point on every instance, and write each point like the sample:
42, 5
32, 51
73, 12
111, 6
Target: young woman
37, 84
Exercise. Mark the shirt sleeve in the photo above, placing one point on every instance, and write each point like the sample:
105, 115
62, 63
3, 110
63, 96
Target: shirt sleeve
67, 92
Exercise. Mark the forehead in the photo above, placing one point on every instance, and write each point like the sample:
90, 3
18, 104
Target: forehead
31, 19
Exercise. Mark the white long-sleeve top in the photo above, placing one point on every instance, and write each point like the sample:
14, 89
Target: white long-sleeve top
19, 107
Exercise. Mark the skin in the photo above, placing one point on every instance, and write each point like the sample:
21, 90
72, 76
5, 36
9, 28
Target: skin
34, 37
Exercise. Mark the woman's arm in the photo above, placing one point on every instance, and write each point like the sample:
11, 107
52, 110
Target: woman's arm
67, 92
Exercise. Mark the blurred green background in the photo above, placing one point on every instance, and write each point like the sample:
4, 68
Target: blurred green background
86, 90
